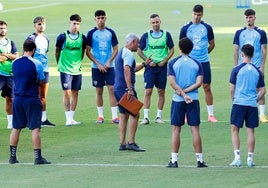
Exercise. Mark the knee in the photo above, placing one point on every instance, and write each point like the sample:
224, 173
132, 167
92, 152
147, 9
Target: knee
148, 92
206, 87
8, 101
161, 92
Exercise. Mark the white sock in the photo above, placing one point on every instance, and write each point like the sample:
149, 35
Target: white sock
44, 116
237, 154
159, 113
174, 157
199, 157
100, 111
114, 112
146, 113
9, 120
210, 109
250, 156
262, 109
72, 115
68, 116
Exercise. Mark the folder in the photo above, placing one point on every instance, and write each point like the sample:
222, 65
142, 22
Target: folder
131, 106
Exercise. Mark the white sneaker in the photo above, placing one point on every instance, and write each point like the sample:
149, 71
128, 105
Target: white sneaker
145, 121
73, 122
158, 120
236, 163
250, 163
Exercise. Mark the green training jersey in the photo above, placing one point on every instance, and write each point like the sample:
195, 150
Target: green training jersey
6, 66
157, 47
70, 61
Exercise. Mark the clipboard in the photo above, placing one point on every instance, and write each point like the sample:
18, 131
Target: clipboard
132, 107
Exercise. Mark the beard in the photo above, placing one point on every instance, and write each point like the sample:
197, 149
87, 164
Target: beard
250, 24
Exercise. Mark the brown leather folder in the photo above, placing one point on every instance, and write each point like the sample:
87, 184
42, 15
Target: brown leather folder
131, 106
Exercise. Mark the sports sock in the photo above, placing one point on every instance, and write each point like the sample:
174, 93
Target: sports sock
250, 156
44, 116
146, 113
210, 109
237, 154
68, 116
100, 111
114, 112
13, 151
174, 157
72, 114
199, 157
159, 113
37, 153
9, 119
262, 110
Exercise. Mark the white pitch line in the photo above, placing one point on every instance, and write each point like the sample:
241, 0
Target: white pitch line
127, 165
27, 8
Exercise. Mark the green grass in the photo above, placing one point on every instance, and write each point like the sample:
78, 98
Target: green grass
88, 156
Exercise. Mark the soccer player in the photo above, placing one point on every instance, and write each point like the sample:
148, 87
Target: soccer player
27, 107
8, 52
70, 50
42, 46
125, 82
256, 37
156, 44
247, 87
185, 76
102, 48
201, 33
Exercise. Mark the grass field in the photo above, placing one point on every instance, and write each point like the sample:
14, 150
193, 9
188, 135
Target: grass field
87, 155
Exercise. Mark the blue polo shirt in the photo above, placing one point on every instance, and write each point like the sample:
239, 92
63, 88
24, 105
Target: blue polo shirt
185, 70
246, 77
256, 37
26, 74
102, 43
200, 34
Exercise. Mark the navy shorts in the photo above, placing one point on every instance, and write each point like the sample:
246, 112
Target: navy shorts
155, 76
27, 112
71, 82
118, 95
180, 109
207, 72
101, 79
6, 85
247, 114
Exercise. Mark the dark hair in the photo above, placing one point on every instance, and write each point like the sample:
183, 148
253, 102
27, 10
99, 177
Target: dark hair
100, 13
249, 12
75, 17
248, 50
154, 16
186, 45
198, 8
29, 45
38, 19
3, 22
